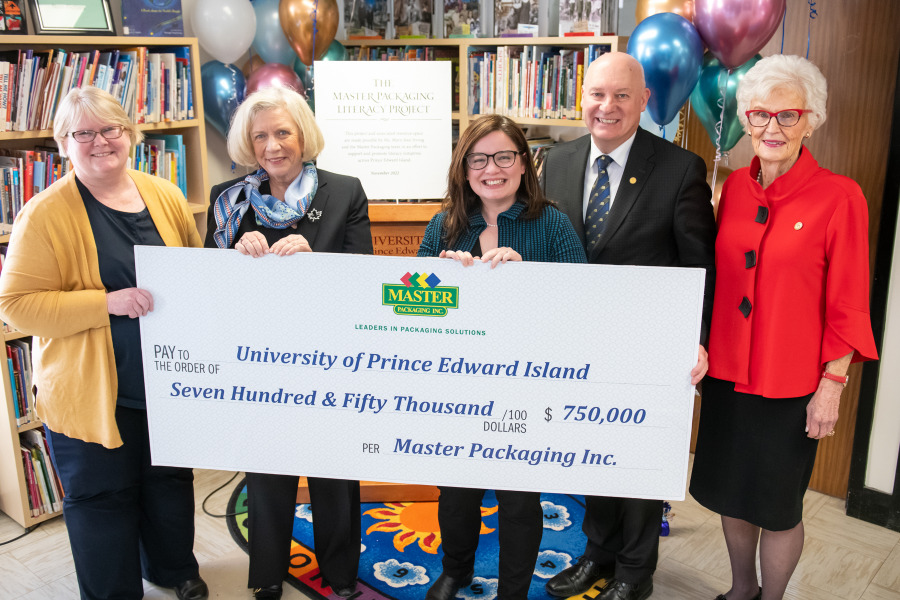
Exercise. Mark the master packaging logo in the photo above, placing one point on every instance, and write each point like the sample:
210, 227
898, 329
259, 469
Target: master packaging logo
419, 295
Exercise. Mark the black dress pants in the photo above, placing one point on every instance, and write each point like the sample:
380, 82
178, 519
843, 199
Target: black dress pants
271, 501
623, 532
126, 518
521, 527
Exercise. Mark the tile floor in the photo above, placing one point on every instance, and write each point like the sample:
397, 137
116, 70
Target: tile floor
843, 559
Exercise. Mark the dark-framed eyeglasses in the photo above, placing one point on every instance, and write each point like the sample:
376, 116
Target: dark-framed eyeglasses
786, 118
87, 135
503, 159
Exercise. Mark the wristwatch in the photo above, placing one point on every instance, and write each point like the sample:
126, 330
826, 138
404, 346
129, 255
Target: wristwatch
842, 379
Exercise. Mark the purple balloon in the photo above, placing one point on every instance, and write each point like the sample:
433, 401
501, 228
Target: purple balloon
735, 30
272, 74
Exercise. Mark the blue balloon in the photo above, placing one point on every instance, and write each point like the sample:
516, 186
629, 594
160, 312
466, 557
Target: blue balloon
671, 52
223, 91
270, 42
667, 133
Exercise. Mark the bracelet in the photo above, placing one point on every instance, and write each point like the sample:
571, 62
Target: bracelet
842, 379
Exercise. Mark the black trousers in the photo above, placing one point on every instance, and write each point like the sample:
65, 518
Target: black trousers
271, 501
126, 519
521, 527
624, 532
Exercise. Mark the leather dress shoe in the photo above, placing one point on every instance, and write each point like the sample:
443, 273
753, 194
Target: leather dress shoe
619, 590
268, 592
578, 578
192, 589
445, 587
344, 591
758, 596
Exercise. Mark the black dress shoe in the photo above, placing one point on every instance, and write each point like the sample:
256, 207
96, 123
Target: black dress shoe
192, 589
344, 591
619, 590
578, 578
269, 592
758, 596
445, 587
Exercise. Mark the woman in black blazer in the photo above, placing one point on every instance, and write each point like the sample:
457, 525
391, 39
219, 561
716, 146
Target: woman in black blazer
289, 206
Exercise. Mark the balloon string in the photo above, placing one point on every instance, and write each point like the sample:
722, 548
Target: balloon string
662, 132
721, 103
783, 19
813, 13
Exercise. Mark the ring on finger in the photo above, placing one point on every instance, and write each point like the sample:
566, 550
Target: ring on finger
830, 433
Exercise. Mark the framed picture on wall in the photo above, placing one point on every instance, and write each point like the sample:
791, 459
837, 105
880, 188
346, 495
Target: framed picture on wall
72, 17
12, 19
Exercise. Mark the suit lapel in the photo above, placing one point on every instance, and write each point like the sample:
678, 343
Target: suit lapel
637, 172
310, 224
571, 200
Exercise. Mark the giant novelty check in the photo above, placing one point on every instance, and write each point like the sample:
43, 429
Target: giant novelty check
531, 376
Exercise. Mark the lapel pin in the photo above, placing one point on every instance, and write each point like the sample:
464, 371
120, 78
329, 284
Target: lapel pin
798, 225
632, 180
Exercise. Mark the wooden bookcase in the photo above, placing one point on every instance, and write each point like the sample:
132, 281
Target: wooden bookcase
13, 487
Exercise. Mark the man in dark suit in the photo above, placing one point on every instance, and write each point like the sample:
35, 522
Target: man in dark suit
637, 200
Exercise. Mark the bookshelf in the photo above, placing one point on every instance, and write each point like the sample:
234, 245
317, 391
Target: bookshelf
13, 485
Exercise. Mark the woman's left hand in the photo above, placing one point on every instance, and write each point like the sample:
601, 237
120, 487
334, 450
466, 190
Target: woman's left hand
501, 255
822, 410
290, 245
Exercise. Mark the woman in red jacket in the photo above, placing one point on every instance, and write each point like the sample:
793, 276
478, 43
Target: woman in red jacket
791, 313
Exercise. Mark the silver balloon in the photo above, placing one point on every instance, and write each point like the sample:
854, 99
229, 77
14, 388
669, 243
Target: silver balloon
223, 91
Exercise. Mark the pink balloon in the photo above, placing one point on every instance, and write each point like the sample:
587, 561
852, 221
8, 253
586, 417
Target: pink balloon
735, 30
274, 74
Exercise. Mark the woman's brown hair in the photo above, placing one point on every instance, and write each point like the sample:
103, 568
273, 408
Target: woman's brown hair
461, 200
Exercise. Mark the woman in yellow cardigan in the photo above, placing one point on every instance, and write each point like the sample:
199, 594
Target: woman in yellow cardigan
69, 280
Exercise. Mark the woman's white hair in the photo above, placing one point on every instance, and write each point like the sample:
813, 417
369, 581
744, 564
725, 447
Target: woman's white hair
789, 72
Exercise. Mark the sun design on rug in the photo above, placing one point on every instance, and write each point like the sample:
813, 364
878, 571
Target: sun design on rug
415, 521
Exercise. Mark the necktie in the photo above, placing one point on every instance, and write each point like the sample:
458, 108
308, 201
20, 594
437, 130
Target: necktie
598, 204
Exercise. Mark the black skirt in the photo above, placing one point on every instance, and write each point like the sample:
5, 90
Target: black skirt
753, 459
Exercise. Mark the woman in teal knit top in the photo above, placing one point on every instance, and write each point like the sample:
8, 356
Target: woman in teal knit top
494, 212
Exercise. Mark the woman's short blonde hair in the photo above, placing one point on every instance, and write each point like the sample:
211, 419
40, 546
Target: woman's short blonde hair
89, 101
784, 71
240, 146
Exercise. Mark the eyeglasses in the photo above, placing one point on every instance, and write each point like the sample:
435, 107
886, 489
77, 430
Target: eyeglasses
478, 160
786, 118
87, 135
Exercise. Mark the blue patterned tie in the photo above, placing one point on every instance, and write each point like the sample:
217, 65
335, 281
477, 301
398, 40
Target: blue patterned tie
598, 204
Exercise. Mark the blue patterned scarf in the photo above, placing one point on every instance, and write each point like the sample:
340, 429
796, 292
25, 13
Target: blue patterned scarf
269, 211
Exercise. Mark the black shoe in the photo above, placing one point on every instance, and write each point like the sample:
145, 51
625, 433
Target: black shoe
269, 592
578, 578
192, 589
619, 590
758, 596
445, 587
344, 591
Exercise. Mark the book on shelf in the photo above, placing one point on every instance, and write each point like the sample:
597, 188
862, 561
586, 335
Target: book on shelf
509, 14
24, 173
45, 473
33, 494
21, 354
152, 18
12, 17
367, 19
152, 84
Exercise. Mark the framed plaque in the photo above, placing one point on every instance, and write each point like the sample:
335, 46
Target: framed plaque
72, 17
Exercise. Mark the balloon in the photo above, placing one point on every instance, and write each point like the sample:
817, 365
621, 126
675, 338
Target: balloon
223, 90
336, 51
735, 30
671, 129
253, 64
304, 75
301, 19
670, 50
705, 99
272, 74
270, 42
224, 28
645, 8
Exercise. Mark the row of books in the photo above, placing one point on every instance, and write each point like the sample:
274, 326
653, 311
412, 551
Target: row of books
44, 488
373, 19
164, 156
529, 81
153, 85
18, 360
24, 173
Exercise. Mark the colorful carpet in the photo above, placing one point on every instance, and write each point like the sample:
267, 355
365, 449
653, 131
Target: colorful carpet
401, 555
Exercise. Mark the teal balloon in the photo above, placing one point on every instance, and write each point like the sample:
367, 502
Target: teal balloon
336, 51
270, 42
302, 72
223, 90
671, 52
714, 81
